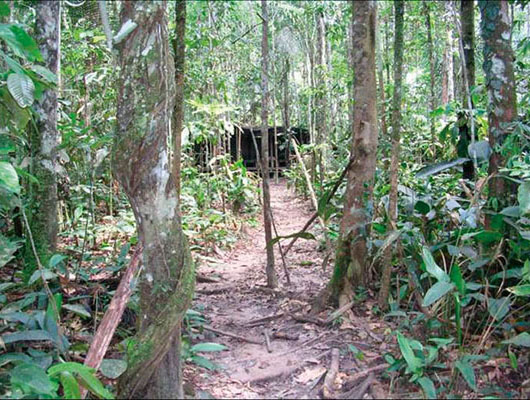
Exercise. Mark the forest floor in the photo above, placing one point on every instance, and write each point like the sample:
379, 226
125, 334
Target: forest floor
292, 368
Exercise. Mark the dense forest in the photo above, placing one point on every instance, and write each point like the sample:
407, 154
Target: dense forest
264, 199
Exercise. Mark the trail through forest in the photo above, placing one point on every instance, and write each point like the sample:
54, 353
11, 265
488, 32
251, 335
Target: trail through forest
300, 346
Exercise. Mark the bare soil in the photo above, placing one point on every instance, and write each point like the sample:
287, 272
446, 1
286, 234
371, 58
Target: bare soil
293, 368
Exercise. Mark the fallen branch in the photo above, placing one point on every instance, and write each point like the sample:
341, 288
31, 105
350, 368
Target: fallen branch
336, 314
112, 317
232, 335
359, 391
359, 375
328, 388
276, 373
206, 279
267, 340
312, 320
215, 290
285, 336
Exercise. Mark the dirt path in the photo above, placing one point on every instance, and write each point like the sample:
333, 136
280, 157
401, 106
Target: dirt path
294, 368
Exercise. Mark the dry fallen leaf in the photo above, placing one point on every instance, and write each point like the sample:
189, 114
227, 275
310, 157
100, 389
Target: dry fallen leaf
310, 374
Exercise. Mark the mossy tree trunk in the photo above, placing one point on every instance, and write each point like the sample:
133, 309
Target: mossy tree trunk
178, 113
496, 32
272, 279
141, 162
399, 7
45, 139
351, 263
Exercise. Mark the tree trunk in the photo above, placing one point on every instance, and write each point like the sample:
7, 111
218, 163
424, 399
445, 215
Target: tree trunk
500, 84
272, 279
320, 117
285, 110
179, 47
380, 81
46, 139
351, 258
141, 162
396, 135
467, 24
430, 51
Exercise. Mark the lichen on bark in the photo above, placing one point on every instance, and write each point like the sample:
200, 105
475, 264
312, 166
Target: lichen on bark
352, 253
140, 158
500, 84
44, 141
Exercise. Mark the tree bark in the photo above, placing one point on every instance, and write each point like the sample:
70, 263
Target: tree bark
179, 47
467, 24
46, 139
396, 136
272, 279
430, 51
285, 110
380, 80
320, 117
352, 253
500, 84
141, 162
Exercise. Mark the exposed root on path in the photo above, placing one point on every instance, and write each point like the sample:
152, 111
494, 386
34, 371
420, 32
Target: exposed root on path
241, 309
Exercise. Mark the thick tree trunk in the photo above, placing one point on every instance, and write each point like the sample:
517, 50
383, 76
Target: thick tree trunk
141, 162
396, 135
467, 25
500, 83
45, 139
272, 279
178, 113
352, 253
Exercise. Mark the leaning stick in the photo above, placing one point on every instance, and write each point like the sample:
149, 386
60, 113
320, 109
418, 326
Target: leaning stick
315, 215
329, 381
112, 317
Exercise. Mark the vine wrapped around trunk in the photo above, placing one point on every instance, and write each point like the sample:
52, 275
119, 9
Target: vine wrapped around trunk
141, 161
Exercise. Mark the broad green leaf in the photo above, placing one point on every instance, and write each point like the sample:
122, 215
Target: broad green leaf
413, 362
4, 9
488, 237
436, 292
32, 377
112, 368
94, 385
431, 266
72, 367
46, 274
204, 362
55, 260
30, 335
521, 290
522, 339
77, 309
523, 197
207, 347
70, 386
512, 211
22, 89
8, 248
498, 308
422, 207
301, 235
20, 42
45, 73
9, 177
457, 279
467, 371
428, 387
14, 357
